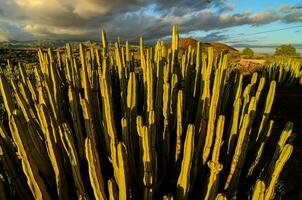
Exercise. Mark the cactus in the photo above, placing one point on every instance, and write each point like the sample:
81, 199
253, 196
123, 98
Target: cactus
259, 190
287, 131
168, 197
213, 164
285, 71
30, 169
268, 106
6, 95
147, 157
221, 196
179, 124
123, 183
183, 182
236, 157
260, 149
69, 147
8, 161
90, 124
284, 156
113, 191
234, 125
94, 170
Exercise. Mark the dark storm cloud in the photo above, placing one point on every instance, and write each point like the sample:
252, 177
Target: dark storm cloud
128, 19
182, 7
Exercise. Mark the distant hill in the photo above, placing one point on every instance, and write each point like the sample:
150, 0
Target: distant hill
42, 44
185, 42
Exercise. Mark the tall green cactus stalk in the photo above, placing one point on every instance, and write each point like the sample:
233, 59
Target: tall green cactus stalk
260, 148
183, 182
213, 164
286, 133
234, 126
268, 107
94, 167
6, 95
123, 170
69, 146
179, 128
166, 135
153, 137
259, 190
131, 137
218, 81
147, 158
284, 156
30, 169
236, 157
174, 48
74, 102
35, 131
53, 151
113, 190
8, 161
107, 106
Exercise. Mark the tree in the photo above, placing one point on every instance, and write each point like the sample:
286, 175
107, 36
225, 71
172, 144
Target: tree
248, 53
286, 50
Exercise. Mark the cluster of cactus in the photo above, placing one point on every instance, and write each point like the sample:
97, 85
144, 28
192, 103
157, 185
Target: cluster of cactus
94, 127
286, 71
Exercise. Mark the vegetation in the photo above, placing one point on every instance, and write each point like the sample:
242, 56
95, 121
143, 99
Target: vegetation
248, 53
286, 71
185, 126
286, 50
17, 55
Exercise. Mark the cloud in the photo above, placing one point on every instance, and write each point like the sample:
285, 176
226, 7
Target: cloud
40, 30
129, 19
293, 13
289, 8
4, 35
214, 37
88, 9
225, 8
293, 17
181, 7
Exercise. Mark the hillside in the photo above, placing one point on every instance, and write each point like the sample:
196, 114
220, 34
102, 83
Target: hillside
42, 44
185, 42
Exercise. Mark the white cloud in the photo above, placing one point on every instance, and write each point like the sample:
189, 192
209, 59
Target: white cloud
32, 9
264, 17
40, 30
90, 8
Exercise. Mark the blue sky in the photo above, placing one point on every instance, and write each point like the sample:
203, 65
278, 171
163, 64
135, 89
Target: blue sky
289, 36
240, 23
258, 5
